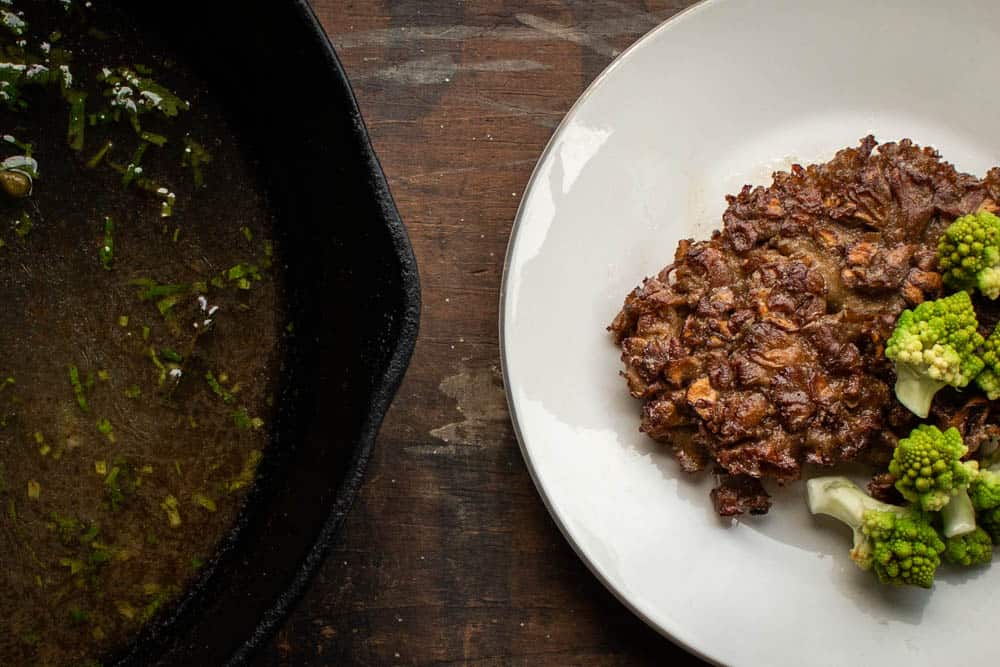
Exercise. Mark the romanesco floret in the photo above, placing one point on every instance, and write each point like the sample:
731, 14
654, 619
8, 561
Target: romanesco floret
969, 254
984, 490
989, 520
934, 345
989, 378
928, 466
969, 550
898, 543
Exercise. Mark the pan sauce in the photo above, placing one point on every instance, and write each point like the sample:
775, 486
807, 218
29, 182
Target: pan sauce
141, 320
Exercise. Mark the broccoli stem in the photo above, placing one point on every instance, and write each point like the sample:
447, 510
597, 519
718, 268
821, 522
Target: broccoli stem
915, 390
958, 516
842, 499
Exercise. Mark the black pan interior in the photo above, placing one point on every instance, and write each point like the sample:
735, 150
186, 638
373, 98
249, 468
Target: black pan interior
352, 292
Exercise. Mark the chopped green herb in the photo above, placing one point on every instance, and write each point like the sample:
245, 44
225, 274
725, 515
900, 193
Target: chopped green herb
77, 118
243, 420
166, 304
23, 225
247, 474
99, 155
81, 397
202, 500
171, 506
123, 321
171, 356
107, 250
159, 366
43, 447
75, 566
217, 388
150, 609
125, 609
88, 535
66, 527
120, 483
105, 428
133, 392
78, 615
134, 168
154, 290
98, 557
153, 138
135, 94
167, 206
195, 156
131, 174
243, 275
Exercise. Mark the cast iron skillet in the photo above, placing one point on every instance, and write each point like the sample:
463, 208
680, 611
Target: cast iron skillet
353, 295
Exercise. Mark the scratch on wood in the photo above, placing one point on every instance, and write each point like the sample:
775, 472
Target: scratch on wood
435, 175
568, 33
454, 33
441, 69
606, 28
544, 117
628, 10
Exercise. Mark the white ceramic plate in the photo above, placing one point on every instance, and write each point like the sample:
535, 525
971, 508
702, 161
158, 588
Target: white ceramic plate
719, 96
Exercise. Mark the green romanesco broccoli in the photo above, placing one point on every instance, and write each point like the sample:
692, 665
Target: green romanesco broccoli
971, 549
969, 254
898, 543
984, 489
932, 346
989, 520
928, 466
984, 494
989, 379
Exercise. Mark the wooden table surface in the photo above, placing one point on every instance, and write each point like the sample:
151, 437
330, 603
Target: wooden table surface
449, 556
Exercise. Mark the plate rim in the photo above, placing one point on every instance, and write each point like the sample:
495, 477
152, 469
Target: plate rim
671, 634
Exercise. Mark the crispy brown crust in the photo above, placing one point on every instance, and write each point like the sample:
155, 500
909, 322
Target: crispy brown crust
761, 349
740, 494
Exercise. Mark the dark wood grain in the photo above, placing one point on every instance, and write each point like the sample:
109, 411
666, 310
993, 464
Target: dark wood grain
449, 556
